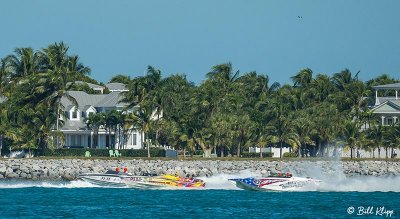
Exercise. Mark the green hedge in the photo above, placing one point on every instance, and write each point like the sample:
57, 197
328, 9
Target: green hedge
253, 154
80, 152
288, 154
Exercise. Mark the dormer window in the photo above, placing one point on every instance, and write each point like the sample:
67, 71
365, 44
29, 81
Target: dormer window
83, 115
74, 115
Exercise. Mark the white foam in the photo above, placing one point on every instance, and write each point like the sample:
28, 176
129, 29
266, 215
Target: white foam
44, 184
334, 181
221, 181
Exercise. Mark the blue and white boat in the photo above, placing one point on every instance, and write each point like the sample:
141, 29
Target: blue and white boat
276, 182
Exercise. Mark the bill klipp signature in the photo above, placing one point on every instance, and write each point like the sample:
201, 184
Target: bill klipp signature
370, 210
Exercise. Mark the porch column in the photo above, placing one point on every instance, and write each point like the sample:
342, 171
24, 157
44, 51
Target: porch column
383, 120
394, 119
396, 95
91, 140
376, 98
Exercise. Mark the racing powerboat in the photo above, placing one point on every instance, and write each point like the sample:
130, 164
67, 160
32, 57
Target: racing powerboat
116, 178
275, 182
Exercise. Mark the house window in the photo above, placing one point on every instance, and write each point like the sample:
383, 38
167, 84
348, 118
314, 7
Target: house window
74, 114
83, 114
79, 141
133, 139
73, 140
390, 121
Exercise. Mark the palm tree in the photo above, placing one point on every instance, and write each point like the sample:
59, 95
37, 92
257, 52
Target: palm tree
352, 135
144, 120
61, 69
95, 122
302, 126
376, 134
25, 62
284, 133
223, 73
303, 78
121, 79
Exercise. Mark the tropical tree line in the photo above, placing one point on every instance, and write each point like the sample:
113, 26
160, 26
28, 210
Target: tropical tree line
230, 112
225, 114
32, 84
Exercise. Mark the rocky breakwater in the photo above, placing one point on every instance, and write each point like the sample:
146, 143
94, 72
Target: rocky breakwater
69, 169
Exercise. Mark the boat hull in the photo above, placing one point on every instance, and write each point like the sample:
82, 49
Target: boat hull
273, 183
142, 182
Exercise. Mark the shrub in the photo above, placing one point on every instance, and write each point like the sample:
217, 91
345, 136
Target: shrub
254, 154
80, 152
289, 154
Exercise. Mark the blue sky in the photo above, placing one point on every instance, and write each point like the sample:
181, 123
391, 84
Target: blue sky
180, 36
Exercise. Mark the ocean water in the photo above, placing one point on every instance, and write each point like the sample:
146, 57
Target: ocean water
337, 198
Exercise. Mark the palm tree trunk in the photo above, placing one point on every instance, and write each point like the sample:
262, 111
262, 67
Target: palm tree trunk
1, 144
238, 149
57, 124
142, 139
386, 148
351, 152
379, 151
157, 129
148, 146
327, 149
280, 150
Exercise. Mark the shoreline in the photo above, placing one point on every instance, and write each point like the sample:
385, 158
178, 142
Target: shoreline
69, 169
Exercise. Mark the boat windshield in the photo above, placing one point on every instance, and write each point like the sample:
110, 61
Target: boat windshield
281, 175
115, 172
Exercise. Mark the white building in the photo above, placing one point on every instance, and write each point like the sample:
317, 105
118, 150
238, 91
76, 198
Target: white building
75, 129
387, 108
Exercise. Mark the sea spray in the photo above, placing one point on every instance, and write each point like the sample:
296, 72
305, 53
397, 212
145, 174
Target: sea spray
15, 184
221, 181
330, 183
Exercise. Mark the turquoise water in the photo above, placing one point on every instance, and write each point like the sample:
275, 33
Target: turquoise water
41, 201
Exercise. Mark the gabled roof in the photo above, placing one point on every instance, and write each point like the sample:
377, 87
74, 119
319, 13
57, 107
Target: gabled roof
69, 107
93, 86
390, 106
83, 99
111, 100
116, 86
395, 86
85, 108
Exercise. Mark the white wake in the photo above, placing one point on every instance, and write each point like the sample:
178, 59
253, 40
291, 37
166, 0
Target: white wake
332, 181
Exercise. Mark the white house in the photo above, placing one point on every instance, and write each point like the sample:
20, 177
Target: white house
387, 108
76, 131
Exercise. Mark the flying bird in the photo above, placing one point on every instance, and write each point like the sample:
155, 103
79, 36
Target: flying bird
299, 16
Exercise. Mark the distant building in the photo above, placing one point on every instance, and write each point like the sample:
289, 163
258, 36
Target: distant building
116, 87
95, 87
76, 131
387, 108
